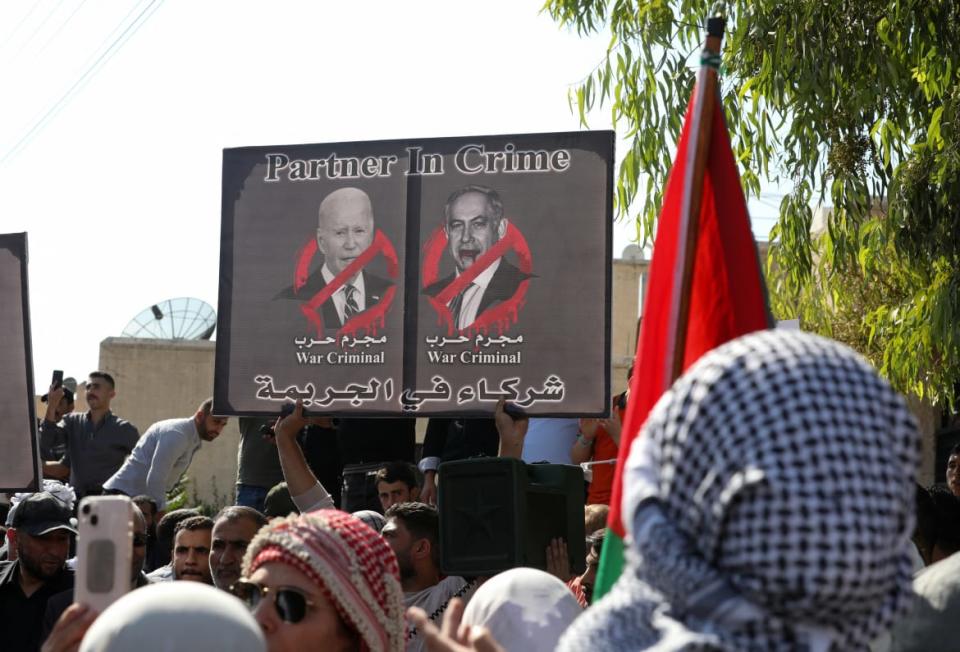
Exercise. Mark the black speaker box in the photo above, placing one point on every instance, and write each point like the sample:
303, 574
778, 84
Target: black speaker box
499, 513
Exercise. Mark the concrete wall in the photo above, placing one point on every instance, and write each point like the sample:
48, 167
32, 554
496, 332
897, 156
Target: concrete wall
163, 379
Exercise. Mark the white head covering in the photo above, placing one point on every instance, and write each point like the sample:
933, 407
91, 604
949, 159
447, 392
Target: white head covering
525, 609
769, 501
173, 617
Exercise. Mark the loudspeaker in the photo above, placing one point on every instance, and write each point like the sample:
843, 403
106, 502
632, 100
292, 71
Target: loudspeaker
499, 513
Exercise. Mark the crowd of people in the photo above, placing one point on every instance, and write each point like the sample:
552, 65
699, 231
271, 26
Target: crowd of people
770, 501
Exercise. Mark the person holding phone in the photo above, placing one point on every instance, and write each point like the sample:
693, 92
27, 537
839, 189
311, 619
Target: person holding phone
97, 441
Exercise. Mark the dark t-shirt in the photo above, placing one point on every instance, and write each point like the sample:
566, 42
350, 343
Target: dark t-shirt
258, 463
21, 618
368, 441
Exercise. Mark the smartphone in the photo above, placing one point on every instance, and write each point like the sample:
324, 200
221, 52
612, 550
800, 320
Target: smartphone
57, 378
104, 550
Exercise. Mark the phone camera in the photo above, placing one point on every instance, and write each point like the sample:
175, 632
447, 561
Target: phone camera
86, 509
94, 519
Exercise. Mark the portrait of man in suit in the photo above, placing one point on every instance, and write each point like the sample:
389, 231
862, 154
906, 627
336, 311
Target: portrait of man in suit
474, 222
344, 231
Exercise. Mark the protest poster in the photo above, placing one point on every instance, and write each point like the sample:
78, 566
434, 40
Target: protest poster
419, 277
20, 470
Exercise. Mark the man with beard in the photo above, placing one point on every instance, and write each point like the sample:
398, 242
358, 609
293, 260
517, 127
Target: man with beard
58, 603
233, 529
163, 454
40, 533
413, 532
191, 550
97, 441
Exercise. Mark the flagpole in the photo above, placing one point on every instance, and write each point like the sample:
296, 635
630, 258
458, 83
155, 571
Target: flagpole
702, 120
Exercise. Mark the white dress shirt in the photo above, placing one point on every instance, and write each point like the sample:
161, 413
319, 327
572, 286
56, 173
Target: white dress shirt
340, 296
473, 294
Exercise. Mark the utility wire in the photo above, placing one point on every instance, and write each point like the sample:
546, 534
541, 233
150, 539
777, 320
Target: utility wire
104, 57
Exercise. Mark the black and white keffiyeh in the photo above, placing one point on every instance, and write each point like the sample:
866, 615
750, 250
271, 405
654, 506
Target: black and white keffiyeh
769, 505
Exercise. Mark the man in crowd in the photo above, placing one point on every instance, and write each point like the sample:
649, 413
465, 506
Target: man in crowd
396, 483
454, 439
53, 441
148, 507
164, 453
953, 470
97, 441
233, 529
41, 534
191, 550
258, 464
58, 603
413, 532
166, 531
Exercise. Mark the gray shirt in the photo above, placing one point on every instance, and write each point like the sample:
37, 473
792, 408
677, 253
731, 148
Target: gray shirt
258, 462
94, 451
161, 456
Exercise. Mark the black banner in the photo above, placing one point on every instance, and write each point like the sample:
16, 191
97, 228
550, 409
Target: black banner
418, 277
20, 470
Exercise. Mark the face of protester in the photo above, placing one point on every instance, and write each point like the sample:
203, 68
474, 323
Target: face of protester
953, 474
230, 540
401, 541
191, 556
43, 556
320, 623
391, 493
99, 394
472, 228
589, 576
63, 407
139, 546
209, 427
346, 227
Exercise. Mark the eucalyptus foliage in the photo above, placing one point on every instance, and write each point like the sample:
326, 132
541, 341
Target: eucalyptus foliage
853, 104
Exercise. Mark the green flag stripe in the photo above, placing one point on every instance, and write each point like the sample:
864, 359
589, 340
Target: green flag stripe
611, 564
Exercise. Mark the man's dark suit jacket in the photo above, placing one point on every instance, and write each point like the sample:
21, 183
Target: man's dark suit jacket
503, 284
374, 288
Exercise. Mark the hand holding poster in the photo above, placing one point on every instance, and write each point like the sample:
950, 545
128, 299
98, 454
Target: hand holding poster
427, 277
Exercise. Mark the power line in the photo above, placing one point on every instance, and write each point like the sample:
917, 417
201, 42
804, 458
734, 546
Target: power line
94, 67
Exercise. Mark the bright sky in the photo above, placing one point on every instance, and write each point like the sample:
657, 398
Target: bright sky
115, 113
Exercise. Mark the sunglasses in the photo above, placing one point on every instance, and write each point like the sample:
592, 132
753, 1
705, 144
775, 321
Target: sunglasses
139, 540
291, 604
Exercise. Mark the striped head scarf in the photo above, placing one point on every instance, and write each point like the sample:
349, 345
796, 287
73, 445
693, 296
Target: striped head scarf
353, 566
770, 503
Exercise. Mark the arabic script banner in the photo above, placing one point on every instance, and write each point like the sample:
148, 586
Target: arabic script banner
20, 470
417, 277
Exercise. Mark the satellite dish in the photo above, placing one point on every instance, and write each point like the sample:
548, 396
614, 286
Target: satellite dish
184, 318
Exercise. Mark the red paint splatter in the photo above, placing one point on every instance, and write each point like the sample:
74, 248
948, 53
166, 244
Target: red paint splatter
367, 321
501, 316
